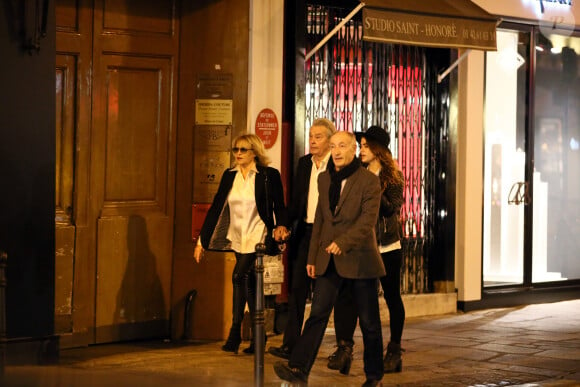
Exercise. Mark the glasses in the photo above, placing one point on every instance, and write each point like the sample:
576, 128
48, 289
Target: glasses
241, 150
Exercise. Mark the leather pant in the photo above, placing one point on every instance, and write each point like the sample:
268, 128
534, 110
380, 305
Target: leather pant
244, 287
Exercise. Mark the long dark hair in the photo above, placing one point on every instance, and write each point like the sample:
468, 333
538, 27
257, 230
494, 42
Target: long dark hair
389, 168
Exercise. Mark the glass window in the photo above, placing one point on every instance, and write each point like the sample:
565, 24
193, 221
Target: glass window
504, 159
556, 197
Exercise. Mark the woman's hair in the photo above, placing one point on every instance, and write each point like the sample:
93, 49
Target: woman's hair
389, 168
257, 147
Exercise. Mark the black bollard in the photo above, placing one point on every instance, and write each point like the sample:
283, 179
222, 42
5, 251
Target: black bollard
3, 262
259, 331
189, 299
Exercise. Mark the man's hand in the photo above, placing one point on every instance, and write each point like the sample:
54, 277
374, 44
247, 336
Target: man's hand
311, 270
333, 249
198, 253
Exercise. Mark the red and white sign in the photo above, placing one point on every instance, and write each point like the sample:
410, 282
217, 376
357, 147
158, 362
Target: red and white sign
267, 127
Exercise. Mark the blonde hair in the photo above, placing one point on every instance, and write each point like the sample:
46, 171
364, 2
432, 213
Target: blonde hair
257, 147
330, 128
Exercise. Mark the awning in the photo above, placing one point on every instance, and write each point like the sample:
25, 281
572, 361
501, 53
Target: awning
435, 23
428, 23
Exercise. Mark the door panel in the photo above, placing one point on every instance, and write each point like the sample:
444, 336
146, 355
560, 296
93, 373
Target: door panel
133, 285
505, 155
136, 132
556, 130
65, 228
131, 139
133, 147
74, 239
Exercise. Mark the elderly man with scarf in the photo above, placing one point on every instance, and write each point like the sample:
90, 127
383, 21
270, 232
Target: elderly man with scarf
342, 254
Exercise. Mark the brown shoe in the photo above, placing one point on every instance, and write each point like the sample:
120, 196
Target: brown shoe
282, 352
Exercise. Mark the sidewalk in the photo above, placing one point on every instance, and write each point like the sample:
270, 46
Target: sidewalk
535, 345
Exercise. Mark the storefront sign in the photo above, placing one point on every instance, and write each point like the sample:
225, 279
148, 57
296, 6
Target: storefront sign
267, 127
560, 2
381, 25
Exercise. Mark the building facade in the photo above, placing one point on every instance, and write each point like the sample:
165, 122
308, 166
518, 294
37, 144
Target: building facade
99, 215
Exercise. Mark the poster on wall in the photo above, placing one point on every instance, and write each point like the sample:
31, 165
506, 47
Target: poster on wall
207, 172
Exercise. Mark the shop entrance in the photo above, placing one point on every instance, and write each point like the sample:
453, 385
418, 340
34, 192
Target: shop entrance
357, 84
532, 158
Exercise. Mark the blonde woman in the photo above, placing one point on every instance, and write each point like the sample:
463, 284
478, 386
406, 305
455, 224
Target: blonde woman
247, 207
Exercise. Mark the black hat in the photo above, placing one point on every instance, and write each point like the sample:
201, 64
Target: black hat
375, 133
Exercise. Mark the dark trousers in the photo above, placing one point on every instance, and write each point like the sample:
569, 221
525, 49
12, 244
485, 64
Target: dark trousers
244, 287
345, 311
326, 289
299, 288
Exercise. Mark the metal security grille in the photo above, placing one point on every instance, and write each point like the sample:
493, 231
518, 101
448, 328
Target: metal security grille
358, 84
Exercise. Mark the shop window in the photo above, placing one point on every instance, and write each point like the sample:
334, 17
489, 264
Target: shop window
531, 160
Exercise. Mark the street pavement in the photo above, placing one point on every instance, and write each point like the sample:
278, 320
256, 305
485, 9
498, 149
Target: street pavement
532, 345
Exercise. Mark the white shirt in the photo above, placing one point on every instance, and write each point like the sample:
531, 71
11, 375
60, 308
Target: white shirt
246, 227
313, 188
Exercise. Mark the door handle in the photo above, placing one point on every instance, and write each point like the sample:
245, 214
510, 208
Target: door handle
519, 193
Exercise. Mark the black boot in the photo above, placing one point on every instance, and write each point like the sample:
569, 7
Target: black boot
251, 349
341, 359
234, 339
392, 361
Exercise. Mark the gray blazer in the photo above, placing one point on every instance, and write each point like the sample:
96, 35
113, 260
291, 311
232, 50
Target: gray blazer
351, 227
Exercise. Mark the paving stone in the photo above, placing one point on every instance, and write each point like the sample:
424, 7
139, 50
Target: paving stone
531, 346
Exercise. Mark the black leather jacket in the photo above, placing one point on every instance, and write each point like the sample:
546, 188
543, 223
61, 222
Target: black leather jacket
388, 225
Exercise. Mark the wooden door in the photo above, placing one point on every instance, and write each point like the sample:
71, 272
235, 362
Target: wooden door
74, 255
126, 185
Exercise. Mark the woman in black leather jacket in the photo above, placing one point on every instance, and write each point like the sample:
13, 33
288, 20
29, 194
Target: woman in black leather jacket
380, 161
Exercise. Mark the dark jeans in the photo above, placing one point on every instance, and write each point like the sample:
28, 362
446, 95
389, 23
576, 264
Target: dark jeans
326, 289
345, 313
244, 287
299, 287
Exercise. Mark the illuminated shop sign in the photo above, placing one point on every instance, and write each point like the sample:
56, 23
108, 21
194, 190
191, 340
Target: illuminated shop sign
381, 25
554, 16
562, 2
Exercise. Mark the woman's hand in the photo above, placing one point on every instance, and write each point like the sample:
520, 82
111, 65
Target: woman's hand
281, 234
198, 253
311, 271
